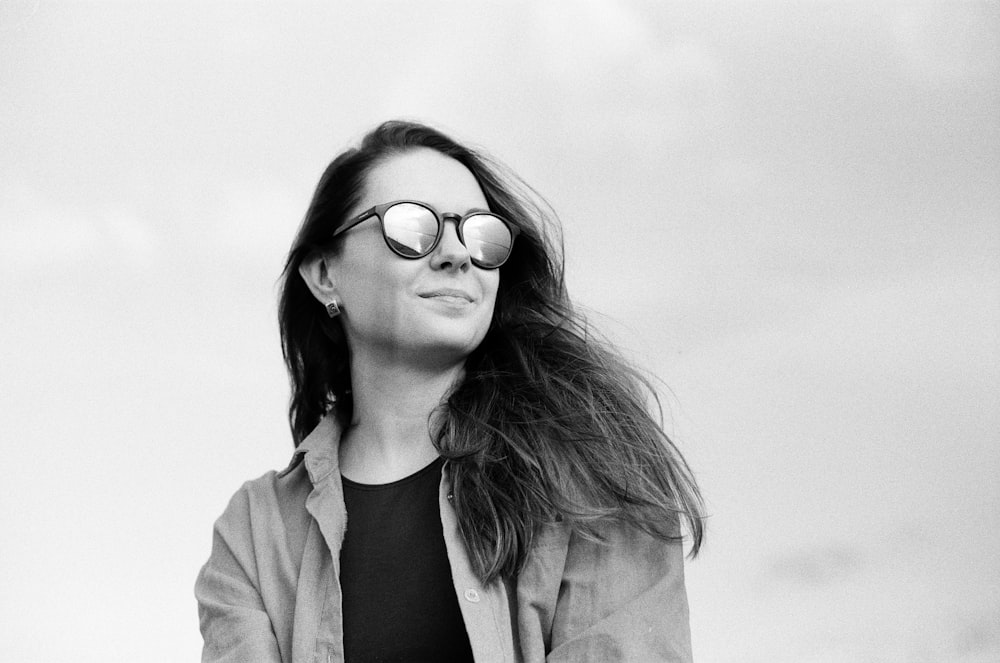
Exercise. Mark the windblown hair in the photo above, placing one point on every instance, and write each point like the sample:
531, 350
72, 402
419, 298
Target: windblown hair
549, 423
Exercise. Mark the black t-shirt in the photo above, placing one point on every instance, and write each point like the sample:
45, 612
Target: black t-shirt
399, 598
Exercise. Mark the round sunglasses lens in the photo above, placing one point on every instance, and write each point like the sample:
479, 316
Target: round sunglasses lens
488, 239
411, 229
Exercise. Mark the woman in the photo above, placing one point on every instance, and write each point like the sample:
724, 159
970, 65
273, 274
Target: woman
476, 477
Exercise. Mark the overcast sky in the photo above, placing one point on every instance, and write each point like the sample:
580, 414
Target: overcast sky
788, 212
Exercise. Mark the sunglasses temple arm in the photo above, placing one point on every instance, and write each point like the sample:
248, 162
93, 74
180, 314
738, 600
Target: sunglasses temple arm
353, 222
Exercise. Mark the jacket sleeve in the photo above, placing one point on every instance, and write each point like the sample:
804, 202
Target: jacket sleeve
622, 599
234, 623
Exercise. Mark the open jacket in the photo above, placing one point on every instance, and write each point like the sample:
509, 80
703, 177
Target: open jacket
271, 592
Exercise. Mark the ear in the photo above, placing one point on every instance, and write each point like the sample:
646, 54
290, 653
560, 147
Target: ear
315, 270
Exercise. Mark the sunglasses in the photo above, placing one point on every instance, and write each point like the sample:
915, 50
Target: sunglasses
412, 229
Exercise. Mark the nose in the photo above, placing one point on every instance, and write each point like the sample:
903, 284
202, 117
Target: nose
450, 254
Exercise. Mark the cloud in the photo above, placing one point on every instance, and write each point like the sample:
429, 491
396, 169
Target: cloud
41, 233
817, 566
945, 44
254, 222
624, 85
576, 37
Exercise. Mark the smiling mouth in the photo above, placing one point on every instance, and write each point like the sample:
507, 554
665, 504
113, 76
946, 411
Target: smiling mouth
448, 295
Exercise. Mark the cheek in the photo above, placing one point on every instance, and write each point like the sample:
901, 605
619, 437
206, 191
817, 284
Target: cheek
492, 282
490, 287
373, 276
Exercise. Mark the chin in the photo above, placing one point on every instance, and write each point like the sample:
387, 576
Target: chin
450, 347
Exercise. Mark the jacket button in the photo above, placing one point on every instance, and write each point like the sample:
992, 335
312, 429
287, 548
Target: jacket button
451, 496
472, 595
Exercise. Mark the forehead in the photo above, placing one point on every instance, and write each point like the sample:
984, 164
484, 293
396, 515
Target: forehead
425, 175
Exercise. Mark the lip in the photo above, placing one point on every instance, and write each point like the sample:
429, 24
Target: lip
448, 292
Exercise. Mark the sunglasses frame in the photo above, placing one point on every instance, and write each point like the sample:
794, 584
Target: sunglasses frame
379, 210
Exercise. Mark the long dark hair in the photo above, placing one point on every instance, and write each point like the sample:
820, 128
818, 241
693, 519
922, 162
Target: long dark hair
549, 422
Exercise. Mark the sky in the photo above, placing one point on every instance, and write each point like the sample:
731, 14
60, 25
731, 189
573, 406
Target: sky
787, 212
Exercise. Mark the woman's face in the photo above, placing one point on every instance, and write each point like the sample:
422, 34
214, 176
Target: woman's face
434, 309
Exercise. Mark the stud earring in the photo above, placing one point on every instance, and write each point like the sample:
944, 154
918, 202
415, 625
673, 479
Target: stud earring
333, 308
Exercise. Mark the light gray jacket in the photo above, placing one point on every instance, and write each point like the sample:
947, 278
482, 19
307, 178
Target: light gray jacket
270, 590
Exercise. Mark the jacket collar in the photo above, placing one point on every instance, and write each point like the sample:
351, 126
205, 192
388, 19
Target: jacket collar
319, 450
319, 453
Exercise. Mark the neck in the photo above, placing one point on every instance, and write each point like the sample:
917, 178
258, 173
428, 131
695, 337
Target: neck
393, 418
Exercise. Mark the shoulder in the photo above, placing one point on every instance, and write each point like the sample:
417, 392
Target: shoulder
611, 547
614, 593
272, 507
271, 498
